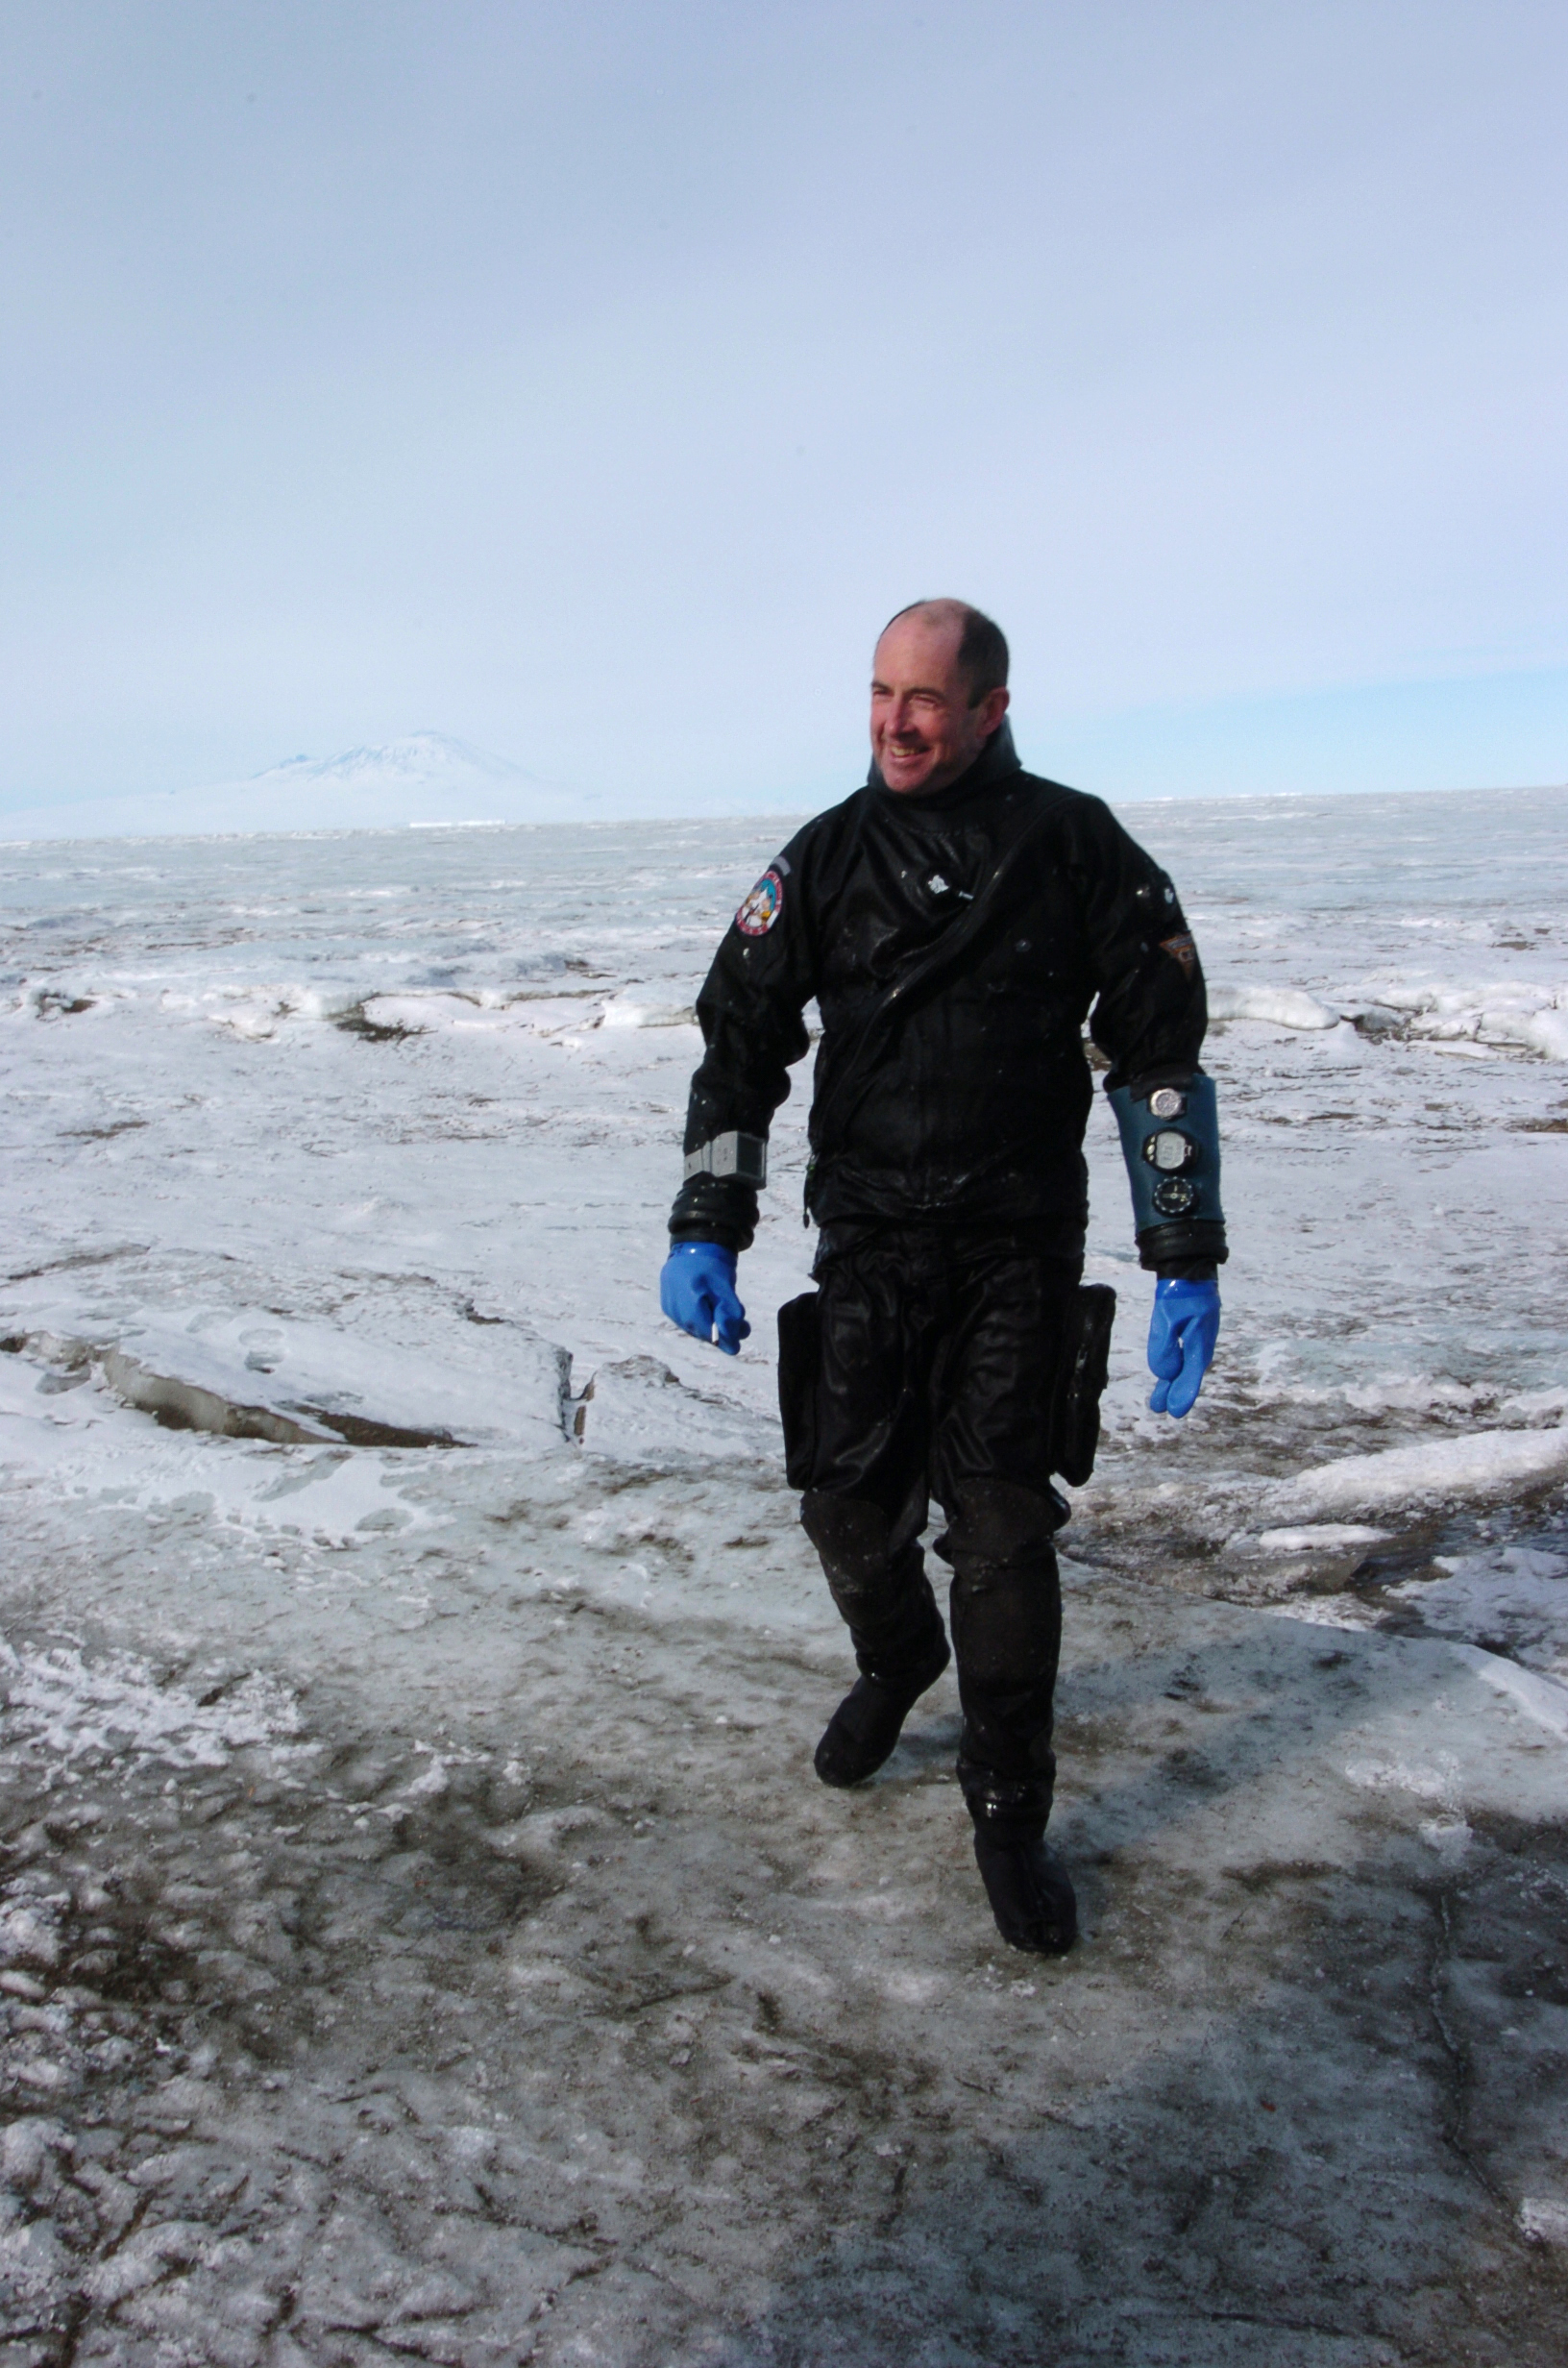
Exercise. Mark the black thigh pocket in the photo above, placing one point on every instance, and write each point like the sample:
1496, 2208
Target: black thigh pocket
1080, 1381
799, 1356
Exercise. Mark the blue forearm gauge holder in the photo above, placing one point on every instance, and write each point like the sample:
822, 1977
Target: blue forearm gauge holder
1171, 1142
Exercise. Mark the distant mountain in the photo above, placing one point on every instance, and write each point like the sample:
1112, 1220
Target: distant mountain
428, 778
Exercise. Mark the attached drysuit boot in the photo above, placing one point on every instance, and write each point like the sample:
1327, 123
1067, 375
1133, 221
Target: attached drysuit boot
1028, 1888
1006, 1625
879, 1584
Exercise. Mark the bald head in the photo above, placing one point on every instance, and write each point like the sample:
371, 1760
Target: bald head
981, 645
939, 691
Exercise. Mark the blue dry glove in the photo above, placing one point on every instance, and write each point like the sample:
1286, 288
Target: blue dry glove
696, 1290
1181, 1334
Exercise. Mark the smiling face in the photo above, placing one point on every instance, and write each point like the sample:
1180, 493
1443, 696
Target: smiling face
924, 732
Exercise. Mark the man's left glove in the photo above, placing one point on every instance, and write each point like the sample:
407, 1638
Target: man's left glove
1181, 1334
696, 1290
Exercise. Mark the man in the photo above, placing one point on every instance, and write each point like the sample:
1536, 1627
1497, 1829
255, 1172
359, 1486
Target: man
955, 919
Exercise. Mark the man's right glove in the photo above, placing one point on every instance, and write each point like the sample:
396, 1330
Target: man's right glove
1181, 1333
696, 1290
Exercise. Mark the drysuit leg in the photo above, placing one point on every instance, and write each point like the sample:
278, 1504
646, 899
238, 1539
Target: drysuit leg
863, 1459
876, 1573
993, 1389
1006, 1603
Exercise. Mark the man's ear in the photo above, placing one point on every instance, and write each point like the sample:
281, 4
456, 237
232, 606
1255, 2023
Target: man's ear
991, 709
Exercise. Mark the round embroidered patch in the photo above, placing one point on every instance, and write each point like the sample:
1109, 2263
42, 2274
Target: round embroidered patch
762, 907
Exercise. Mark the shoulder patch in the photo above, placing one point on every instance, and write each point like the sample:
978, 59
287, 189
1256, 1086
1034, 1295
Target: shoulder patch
1182, 949
760, 910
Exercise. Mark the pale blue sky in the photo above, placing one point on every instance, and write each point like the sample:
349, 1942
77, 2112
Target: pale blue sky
591, 381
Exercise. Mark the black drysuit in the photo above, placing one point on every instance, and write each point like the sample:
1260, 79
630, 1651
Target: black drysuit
949, 1182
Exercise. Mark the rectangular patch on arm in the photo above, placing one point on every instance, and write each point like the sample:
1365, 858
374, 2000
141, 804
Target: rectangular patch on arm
1182, 949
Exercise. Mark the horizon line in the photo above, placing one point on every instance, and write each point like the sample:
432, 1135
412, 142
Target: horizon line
757, 814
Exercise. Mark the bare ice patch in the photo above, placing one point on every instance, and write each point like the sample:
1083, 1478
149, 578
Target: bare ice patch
1513, 1598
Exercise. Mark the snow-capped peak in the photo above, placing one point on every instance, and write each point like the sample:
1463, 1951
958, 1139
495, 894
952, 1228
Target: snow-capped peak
428, 778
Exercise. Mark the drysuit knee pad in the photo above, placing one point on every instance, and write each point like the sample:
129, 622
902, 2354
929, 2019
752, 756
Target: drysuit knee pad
853, 1536
869, 1567
997, 1521
874, 1570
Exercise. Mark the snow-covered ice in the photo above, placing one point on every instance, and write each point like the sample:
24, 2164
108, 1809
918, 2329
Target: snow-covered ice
422, 1934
